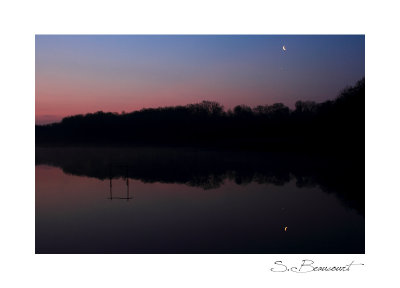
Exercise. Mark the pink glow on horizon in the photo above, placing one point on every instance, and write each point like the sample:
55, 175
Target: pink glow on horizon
56, 100
114, 73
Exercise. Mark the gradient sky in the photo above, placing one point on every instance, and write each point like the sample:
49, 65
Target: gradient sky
88, 73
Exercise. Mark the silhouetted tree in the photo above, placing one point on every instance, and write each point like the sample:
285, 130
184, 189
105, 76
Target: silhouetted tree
334, 125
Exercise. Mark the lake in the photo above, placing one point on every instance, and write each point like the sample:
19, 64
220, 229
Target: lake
186, 200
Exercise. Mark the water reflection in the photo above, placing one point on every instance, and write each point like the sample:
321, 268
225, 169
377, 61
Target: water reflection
126, 180
188, 201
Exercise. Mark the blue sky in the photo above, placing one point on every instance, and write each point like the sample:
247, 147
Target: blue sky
88, 73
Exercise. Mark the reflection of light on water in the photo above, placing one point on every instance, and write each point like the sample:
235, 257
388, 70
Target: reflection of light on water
285, 228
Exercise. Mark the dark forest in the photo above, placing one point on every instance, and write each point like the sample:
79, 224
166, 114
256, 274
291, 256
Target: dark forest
334, 125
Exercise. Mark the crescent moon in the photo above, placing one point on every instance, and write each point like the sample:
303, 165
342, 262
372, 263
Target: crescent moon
283, 48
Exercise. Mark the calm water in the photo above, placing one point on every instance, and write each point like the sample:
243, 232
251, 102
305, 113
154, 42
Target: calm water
171, 211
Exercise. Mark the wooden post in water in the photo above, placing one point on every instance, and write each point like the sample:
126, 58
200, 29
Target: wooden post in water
127, 184
126, 179
110, 172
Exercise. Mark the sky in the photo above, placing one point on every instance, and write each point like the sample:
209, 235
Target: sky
79, 74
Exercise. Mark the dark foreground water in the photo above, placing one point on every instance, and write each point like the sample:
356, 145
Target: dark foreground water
120, 200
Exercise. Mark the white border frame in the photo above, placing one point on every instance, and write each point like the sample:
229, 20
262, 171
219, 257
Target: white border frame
20, 267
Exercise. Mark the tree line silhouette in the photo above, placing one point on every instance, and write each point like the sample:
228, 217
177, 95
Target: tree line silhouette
338, 124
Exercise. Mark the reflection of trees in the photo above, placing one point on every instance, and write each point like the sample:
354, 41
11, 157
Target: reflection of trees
206, 182
209, 169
